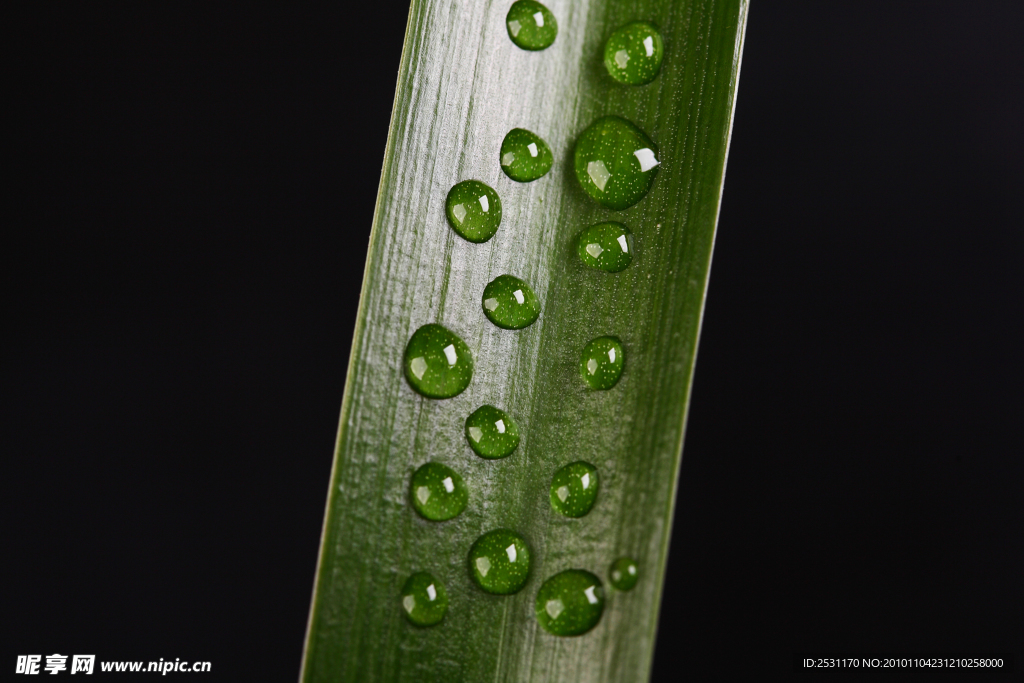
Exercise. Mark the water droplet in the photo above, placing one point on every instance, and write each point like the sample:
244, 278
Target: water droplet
615, 162
499, 562
633, 54
624, 573
531, 25
570, 603
491, 432
437, 363
601, 362
606, 246
438, 492
424, 599
474, 210
574, 489
524, 156
509, 303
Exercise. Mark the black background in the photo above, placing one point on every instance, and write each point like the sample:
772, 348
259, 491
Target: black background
190, 197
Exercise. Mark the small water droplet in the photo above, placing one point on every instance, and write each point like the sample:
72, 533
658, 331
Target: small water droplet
424, 599
525, 157
624, 573
601, 362
491, 432
633, 54
474, 210
438, 492
606, 246
510, 303
574, 489
531, 25
499, 562
437, 363
570, 603
615, 162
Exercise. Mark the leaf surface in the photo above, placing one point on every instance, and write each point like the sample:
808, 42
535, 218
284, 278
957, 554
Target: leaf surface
463, 85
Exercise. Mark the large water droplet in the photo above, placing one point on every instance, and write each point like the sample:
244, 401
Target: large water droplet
474, 210
570, 603
601, 362
633, 54
524, 156
499, 562
437, 363
424, 599
606, 246
438, 492
531, 25
615, 162
624, 573
491, 432
574, 489
509, 303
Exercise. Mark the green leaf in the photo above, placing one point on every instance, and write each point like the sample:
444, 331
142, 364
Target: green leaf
462, 86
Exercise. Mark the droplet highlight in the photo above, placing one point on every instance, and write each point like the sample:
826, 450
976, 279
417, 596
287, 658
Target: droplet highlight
438, 492
499, 562
437, 363
570, 603
510, 303
633, 54
492, 433
615, 162
606, 246
601, 362
525, 157
624, 573
473, 210
424, 599
574, 489
531, 25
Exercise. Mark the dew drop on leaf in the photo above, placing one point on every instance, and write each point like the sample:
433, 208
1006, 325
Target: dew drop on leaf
438, 492
437, 363
510, 303
601, 362
574, 489
473, 210
424, 599
524, 156
570, 603
633, 54
615, 162
492, 433
499, 562
606, 246
624, 573
531, 25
